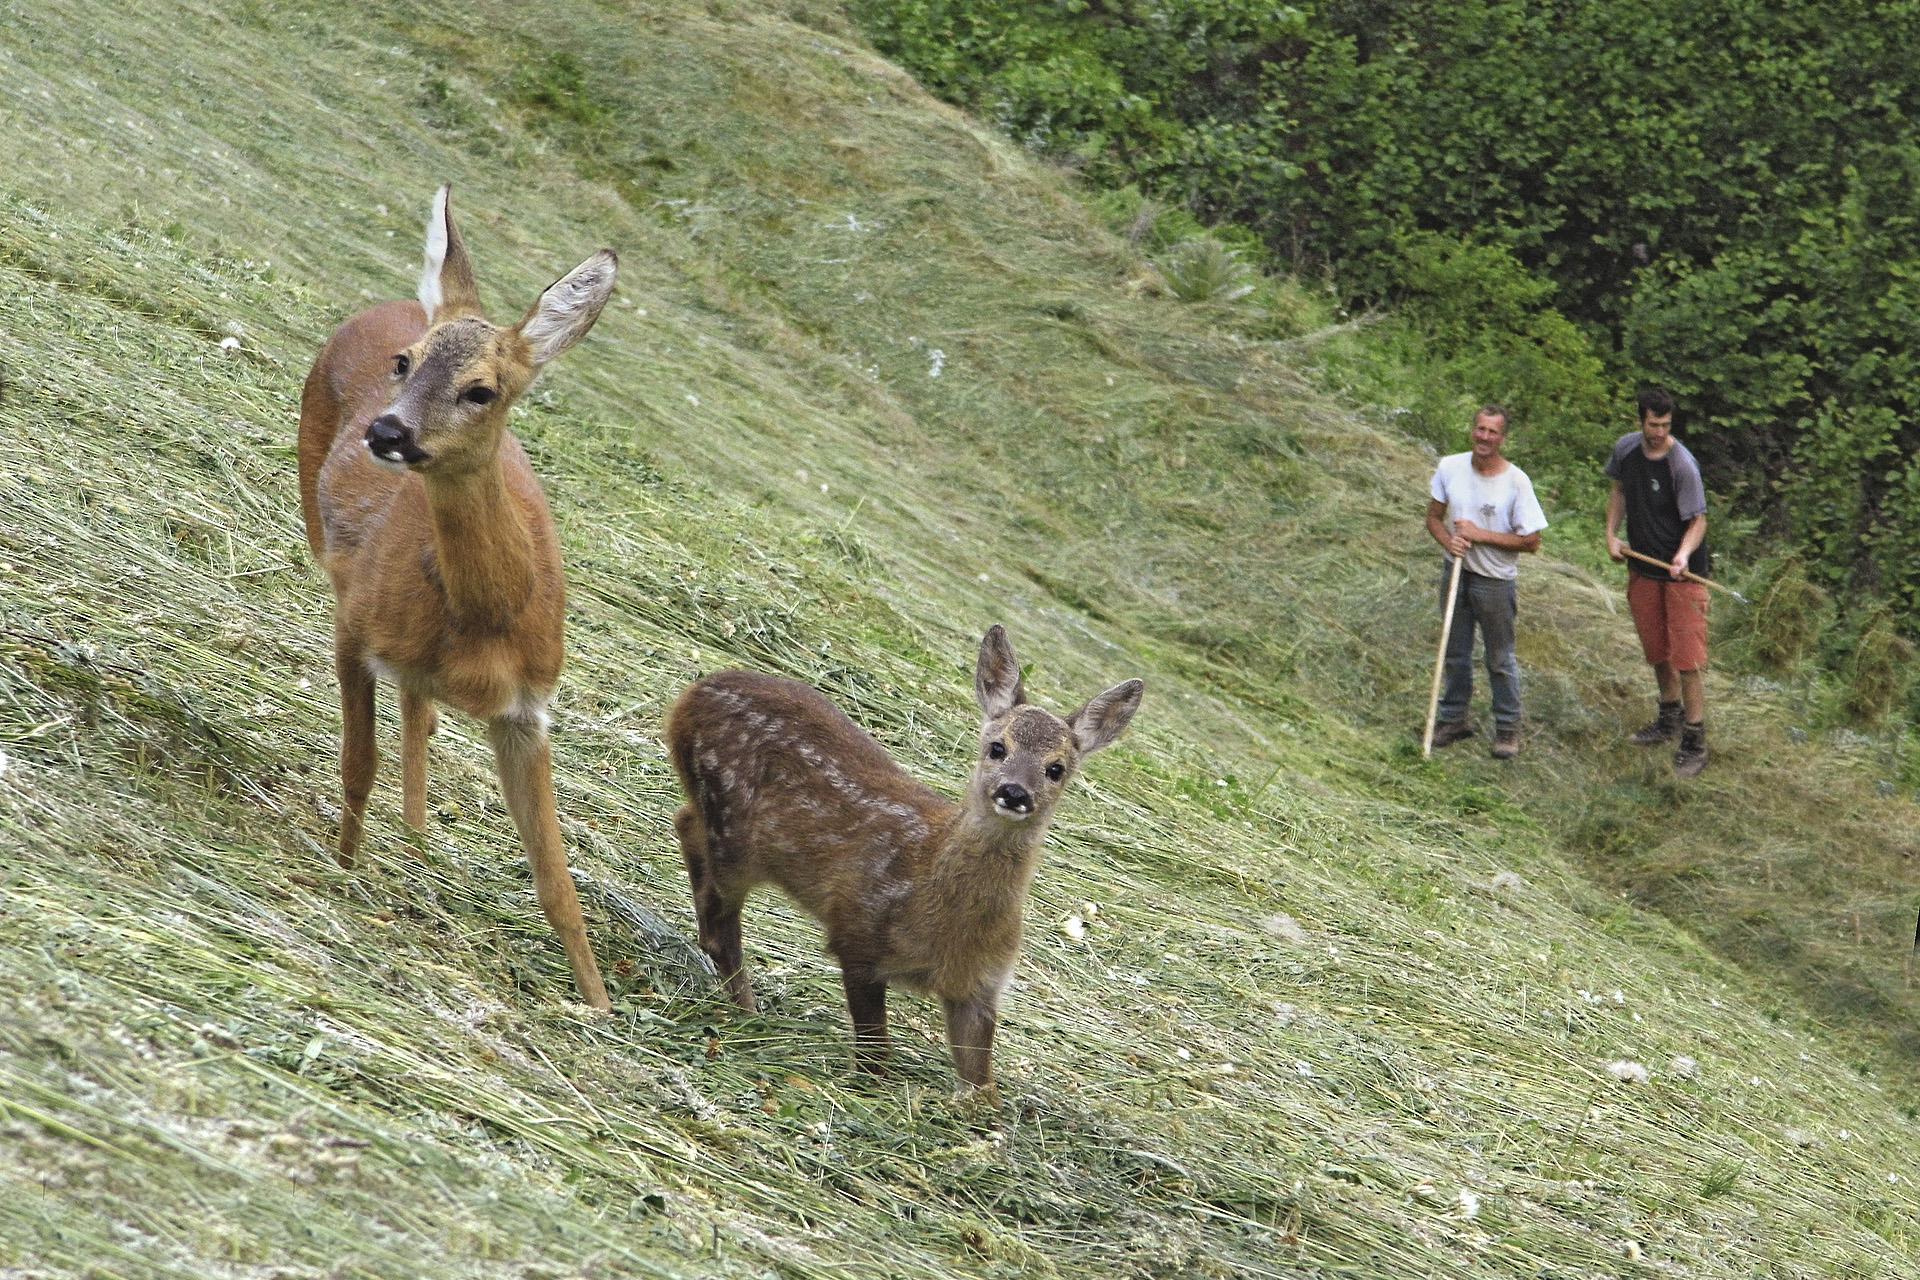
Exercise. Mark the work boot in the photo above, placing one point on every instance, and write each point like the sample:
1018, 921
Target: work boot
1663, 729
1691, 758
1506, 742
1448, 732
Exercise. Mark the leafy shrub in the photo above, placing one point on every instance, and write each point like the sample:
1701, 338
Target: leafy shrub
1204, 270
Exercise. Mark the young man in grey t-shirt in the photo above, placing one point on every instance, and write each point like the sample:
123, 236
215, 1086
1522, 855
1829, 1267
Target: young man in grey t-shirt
1658, 492
1482, 508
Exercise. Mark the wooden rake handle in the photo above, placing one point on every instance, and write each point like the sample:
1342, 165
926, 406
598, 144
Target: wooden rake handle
1440, 659
1689, 575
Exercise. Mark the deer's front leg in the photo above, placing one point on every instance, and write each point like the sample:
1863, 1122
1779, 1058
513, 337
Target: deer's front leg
526, 780
867, 1003
418, 720
970, 1027
358, 756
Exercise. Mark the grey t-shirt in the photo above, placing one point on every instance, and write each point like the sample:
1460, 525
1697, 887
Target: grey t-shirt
1501, 504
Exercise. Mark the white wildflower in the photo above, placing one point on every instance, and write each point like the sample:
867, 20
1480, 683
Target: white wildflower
1091, 910
693, 399
229, 343
1184, 1054
1629, 1071
1466, 1206
1074, 927
1632, 1251
1302, 1069
1619, 997
936, 361
1684, 1067
5, 764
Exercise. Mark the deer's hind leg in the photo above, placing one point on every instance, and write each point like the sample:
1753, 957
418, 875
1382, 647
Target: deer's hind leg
716, 905
418, 720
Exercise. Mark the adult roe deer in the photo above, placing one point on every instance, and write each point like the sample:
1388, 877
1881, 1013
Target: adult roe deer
445, 566
911, 887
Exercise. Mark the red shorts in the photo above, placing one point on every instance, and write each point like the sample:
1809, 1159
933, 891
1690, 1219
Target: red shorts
1671, 618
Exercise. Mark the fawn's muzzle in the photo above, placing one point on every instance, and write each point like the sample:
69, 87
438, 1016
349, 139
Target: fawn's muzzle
391, 440
1013, 800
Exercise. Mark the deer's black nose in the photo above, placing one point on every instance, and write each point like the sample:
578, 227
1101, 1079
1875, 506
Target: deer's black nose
392, 440
1012, 795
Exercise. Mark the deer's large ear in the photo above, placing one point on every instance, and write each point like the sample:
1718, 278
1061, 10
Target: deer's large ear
446, 282
996, 680
569, 307
1106, 716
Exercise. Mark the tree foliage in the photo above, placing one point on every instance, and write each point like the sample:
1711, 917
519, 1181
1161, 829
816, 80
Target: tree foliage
1719, 195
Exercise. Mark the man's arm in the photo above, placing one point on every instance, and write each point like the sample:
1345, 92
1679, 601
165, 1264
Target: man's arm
1689, 543
1451, 543
1616, 510
1505, 541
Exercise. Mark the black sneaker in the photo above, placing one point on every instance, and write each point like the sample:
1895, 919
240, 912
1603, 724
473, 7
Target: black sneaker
1448, 732
1691, 758
1665, 727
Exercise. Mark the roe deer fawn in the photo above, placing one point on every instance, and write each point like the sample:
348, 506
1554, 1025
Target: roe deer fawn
911, 887
445, 566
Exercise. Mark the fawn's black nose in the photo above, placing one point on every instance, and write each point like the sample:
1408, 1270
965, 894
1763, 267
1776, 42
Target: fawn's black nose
1013, 798
391, 440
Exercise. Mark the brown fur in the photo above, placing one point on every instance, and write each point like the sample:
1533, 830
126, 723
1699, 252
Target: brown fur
446, 573
911, 888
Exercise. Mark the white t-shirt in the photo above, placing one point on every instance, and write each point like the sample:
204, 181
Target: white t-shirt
1501, 504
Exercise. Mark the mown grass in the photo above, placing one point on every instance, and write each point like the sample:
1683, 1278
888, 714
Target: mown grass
1341, 1011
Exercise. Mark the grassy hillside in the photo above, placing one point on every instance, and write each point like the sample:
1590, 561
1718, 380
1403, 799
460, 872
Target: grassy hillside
872, 383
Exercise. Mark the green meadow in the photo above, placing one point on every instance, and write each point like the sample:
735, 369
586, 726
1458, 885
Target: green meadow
874, 380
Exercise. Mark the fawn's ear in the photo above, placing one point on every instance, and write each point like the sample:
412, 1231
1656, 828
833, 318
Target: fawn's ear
1105, 717
569, 307
446, 283
996, 681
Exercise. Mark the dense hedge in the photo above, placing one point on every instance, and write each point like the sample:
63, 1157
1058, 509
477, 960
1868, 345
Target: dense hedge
1719, 194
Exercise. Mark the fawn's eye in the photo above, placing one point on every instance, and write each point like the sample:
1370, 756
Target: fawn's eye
401, 364
479, 395
997, 750
1056, 771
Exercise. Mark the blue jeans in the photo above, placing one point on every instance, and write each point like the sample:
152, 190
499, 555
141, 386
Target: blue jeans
1491, 604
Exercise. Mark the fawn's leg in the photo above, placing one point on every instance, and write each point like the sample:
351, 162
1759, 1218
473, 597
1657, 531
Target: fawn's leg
718, 915
418, 720
867, 1002
358, 757
970, 1027
526, 780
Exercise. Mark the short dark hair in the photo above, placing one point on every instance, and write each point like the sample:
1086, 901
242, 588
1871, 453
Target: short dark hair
1494, 411
1656, 402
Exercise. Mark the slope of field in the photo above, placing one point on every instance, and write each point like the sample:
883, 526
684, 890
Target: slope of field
873, 382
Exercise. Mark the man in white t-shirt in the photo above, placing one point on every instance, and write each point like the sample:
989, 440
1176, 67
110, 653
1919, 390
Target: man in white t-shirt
1482, 509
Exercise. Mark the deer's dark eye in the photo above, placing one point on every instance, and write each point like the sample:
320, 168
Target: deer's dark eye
401, 364
997, 750
479, 395
1056, 771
